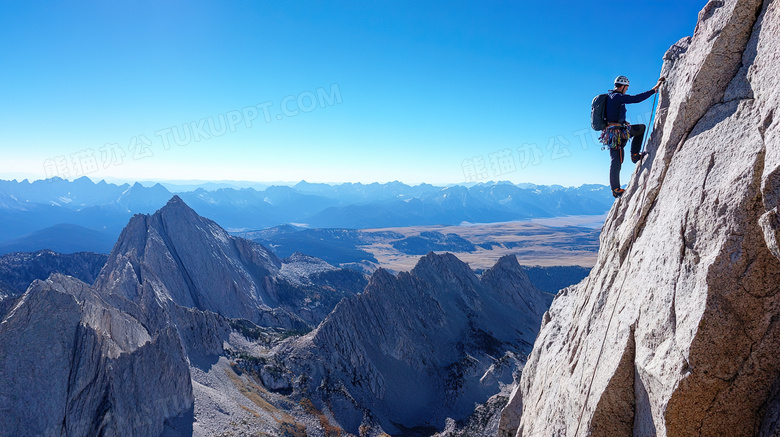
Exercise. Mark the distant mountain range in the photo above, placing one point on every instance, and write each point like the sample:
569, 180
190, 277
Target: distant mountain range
62, 238
28, 208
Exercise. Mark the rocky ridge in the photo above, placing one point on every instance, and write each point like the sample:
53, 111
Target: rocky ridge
413, 350
675, 331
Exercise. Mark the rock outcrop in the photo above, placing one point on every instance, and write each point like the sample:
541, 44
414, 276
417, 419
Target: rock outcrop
675, 332
73, 363
414, 349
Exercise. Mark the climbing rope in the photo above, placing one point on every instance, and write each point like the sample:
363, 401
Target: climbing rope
644, 143
601, 349
652, 118
620, 290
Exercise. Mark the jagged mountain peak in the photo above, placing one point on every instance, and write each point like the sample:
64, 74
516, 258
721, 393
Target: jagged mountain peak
198, 262
437, 263
178, 256
506, 267
176, 209
171, 225
380, 275
75, 364
507, 262
80, 357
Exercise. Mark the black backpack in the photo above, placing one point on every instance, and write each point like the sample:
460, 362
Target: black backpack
598, 112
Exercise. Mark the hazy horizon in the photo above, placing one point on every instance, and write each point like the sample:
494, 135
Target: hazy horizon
247, 184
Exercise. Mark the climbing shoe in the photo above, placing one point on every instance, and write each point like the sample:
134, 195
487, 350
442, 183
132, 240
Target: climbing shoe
617, 192
636, 157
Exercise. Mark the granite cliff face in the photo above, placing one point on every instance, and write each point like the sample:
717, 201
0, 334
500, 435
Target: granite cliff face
73, 362
675, 332
414, 349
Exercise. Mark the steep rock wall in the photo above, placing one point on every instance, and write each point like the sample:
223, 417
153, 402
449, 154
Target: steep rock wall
675, 331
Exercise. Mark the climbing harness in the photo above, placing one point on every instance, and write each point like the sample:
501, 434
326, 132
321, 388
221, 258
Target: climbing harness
614, 136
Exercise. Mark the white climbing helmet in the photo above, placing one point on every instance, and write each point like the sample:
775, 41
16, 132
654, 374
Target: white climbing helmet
621, 80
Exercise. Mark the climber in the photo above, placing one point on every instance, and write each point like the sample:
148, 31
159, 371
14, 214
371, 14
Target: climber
618, 130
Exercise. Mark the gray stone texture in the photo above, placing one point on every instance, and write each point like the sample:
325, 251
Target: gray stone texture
676, 331
73, 364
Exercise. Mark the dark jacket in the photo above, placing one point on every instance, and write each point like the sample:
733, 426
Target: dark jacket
616, 104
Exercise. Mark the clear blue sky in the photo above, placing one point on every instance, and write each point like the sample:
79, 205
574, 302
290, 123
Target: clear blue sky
342, 91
